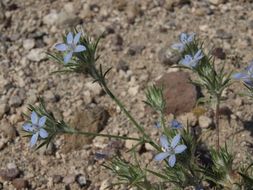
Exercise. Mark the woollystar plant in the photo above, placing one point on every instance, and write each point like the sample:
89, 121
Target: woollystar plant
178, 159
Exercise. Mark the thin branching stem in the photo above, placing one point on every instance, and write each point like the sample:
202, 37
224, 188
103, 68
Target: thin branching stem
103, 84
101, 135
217, 115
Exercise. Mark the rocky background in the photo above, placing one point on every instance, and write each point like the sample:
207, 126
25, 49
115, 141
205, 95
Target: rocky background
137, 40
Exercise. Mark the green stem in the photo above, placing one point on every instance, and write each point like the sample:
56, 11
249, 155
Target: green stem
163, 123
217, 114
102, 83
101, 135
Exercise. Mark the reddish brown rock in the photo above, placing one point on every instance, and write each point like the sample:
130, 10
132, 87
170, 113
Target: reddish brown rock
179, 93
20, 183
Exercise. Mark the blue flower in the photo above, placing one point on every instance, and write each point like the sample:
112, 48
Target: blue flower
170, 150
175, 124
192, 61
71, 46
157, 125
36, 128
246, 76
185, 39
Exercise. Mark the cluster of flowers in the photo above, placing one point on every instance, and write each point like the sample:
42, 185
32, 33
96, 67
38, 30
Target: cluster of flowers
192, 60
36, 127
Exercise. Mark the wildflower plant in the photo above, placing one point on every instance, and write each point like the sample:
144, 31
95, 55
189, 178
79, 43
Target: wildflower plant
178, 155
210, 78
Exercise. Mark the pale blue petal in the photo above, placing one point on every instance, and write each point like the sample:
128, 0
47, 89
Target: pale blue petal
249, 82
191, 37
79, 48
161, 156
70, 38
28, 127
77, 37
250, 67
175, 124
34, 118
186, 61
241, 75
164, 141
183, 37
61, 47
175, 141
34, 139
179, 47
42, 121
180, 148
198, 55
67, 57
43, 133
172, 160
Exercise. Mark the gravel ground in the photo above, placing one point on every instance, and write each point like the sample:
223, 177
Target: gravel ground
137, 40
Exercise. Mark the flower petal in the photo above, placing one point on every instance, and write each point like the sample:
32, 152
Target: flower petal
61, 47
70, 38
178, 46
175, 124
175, 141
34, 118
239, 76
77, 37
172, 160
43, 133
186, 61
183, 37
79, 48
28, 127
164, 141
42, 121
34, 139
180, 149
191, 37
161, 156
67, 57
198, 55
249, 68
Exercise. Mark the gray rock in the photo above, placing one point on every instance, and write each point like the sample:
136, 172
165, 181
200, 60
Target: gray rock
37, 55
69, 179
133, 90
8, 130
94, 88
10, 173
167, 57
49, 96
51, 18
28, 44
204, 121
57, 178
217, 2
67, 19
15, 101
82, 181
